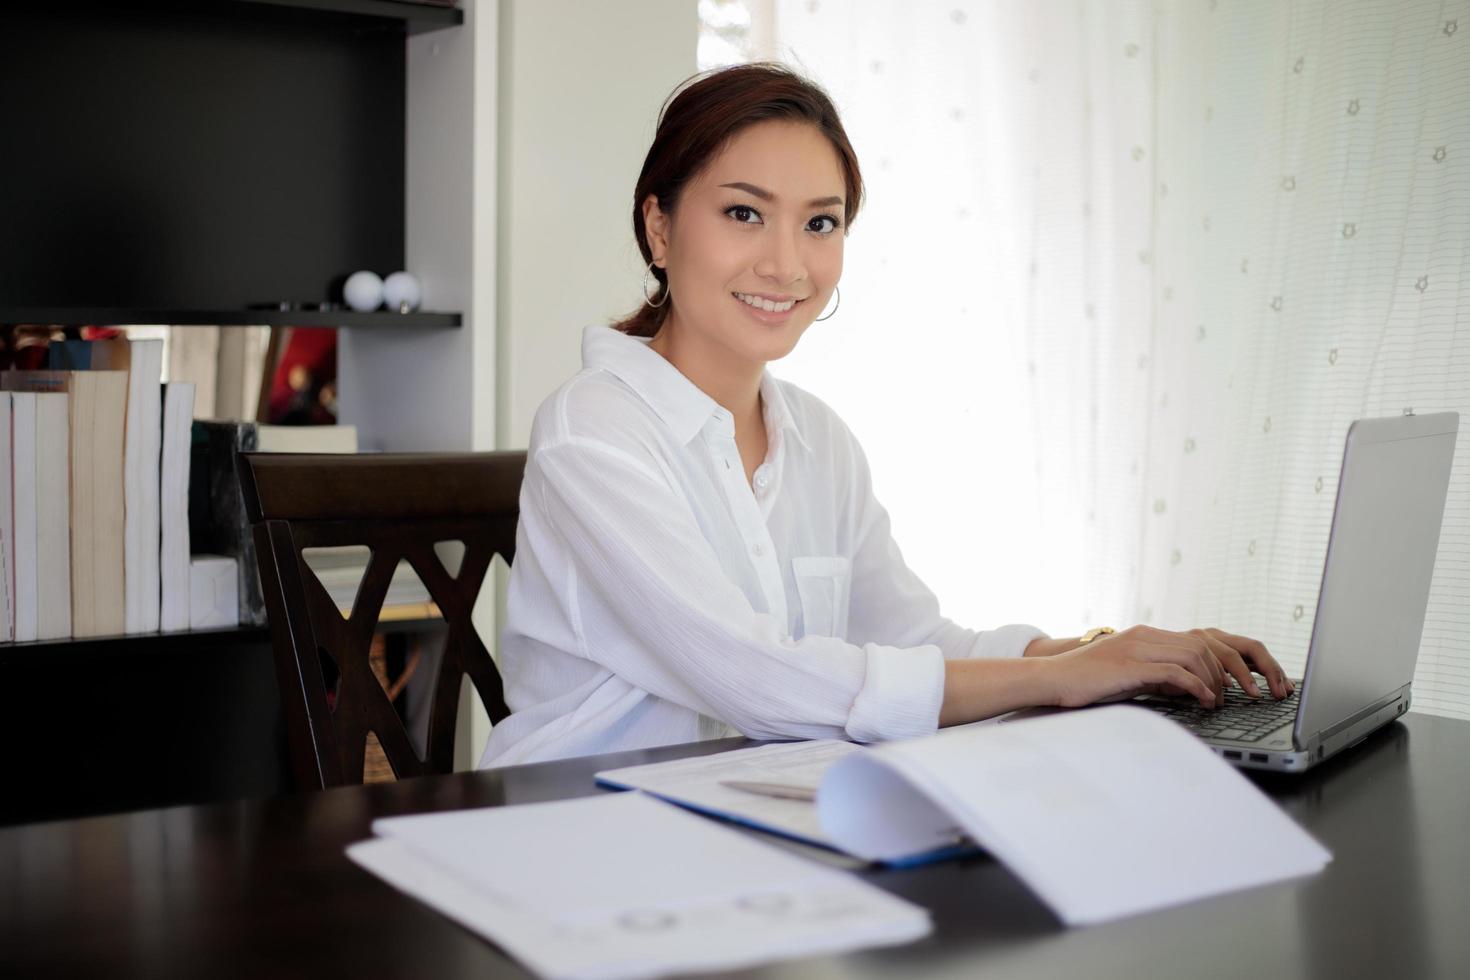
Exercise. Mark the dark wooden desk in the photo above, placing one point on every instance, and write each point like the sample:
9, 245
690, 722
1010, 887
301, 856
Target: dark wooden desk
262, 888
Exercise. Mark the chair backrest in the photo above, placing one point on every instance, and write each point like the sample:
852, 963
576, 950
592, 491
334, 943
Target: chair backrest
399, 506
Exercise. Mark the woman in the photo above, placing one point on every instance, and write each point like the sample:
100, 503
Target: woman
700, 553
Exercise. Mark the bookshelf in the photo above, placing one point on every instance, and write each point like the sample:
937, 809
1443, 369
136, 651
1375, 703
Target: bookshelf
414, 18
112, 316
205, 163
415, 618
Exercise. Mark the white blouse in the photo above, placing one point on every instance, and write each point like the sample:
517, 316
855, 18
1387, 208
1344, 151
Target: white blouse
656, 597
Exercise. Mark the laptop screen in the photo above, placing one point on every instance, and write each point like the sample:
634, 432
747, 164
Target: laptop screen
1380, 560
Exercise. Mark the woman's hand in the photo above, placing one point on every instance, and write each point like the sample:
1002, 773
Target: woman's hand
1144, 660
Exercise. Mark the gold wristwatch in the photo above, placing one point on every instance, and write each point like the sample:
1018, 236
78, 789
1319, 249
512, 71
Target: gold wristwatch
1094, 633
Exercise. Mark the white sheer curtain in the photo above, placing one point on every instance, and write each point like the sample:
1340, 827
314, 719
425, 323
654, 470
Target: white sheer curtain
1127, 272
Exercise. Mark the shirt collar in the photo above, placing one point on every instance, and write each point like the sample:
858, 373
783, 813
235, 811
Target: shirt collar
778, 411
677, 400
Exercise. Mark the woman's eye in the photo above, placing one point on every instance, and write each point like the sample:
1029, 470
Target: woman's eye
831, 226
743, 213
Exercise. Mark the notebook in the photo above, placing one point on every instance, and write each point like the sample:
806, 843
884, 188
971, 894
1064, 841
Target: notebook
1370, 609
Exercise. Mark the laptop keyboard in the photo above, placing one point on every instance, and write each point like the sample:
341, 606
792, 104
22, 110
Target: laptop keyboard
1242, 717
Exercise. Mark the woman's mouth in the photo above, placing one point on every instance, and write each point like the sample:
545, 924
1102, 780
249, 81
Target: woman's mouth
767, 310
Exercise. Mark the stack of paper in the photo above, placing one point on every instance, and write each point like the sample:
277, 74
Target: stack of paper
626, 886
1061, 800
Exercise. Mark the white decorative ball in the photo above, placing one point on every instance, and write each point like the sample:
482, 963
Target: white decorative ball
363, 291
401, 291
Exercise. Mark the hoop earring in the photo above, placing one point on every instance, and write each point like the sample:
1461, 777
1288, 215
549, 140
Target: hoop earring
648, 299
838, 290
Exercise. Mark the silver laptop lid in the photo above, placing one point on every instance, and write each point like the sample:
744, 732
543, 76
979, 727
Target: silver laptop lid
1380, 559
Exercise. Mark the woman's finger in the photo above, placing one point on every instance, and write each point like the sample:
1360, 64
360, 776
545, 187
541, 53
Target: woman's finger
1231, 660
1217, 673
1255, 651
1171, 675
1192, 655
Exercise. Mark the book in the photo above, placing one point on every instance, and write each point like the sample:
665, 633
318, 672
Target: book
622, 886
193, 353
173, 505
7, 526
306, 438
340, 568
23, 512
214, 587
217, 521
1059, 799
143, 362
69, 355
96, 409
53, 517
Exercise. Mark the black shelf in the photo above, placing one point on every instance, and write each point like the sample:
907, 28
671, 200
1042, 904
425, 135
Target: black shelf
396, 16
416, 18
115, 315
13, 654
202, 641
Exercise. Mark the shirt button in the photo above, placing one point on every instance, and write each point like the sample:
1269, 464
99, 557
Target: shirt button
762, 477
757, 549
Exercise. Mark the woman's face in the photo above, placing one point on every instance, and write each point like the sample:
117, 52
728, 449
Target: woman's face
761, 224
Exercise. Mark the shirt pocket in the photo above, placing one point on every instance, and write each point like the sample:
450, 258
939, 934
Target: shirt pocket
823, 585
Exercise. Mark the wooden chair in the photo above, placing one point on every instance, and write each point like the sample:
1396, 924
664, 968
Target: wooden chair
399, 506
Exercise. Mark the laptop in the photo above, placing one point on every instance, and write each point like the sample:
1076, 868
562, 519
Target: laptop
1370, 610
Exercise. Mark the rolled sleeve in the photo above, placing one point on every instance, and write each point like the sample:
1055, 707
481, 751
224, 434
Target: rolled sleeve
901, 695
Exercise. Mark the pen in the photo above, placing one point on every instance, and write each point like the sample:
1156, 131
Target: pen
781, 791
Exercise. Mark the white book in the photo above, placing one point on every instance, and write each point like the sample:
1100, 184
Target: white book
340, 568
53, 517
214, 592
1058, 799
23, 470
193, 353
96, 410
622, 885
7, 527
306, 438
143, 361
173, 505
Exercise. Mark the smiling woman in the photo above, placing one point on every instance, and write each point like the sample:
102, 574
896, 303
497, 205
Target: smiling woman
699, 551
745, 253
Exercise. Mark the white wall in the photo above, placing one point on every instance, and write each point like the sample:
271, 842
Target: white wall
581, 84
428, 390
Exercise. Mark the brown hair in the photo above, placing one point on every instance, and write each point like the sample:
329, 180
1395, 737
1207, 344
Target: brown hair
696, 122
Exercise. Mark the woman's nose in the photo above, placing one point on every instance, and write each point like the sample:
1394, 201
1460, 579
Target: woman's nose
781, 261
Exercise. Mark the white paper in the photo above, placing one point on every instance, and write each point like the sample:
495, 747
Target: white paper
696, 782
623, 885
1103, 813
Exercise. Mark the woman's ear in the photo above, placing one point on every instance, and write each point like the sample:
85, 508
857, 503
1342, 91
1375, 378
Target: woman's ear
656, 229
